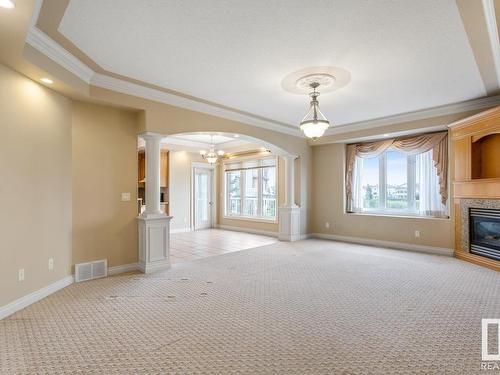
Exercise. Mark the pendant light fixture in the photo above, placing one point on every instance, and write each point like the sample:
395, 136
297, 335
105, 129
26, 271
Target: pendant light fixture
314, 123
213, 155
311, 81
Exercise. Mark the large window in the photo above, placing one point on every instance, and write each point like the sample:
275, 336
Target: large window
251, 189
397, 183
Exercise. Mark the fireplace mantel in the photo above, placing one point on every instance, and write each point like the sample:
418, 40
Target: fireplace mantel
476, 178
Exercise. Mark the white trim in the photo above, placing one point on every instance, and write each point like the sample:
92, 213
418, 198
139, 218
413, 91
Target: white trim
134, 89
37, 7
123, 268
386, 244
41, 42
252, 218
247, 230
180, 230
213, 193
35, 296
491, 25
423, 114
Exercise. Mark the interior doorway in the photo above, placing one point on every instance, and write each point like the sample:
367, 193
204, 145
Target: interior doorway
203, 196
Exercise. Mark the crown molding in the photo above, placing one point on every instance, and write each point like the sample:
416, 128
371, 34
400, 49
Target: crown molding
44, 44
129, 88
444, 110
37, 7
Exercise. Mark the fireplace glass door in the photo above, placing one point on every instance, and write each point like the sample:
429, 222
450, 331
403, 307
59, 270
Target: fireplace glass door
485, 232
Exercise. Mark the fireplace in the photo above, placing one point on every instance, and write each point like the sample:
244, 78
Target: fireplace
484, 232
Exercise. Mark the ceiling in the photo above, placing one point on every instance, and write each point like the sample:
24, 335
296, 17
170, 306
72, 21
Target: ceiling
207, 138
194, 142
403, 55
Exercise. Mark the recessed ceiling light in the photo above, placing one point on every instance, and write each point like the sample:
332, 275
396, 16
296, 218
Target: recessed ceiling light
236, 136
386, 135
44, 79
7, 4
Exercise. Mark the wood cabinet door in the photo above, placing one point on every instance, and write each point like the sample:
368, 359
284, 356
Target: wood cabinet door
462, 156
164, 169
141, 167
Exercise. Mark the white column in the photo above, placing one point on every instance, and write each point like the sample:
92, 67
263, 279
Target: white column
290, 180
154, 225
152, 174
289, 213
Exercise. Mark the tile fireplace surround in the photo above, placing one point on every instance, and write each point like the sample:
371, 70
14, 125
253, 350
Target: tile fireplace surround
465, 204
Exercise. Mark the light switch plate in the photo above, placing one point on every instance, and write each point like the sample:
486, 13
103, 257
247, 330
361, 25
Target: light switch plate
51, 264
21, 274
125, 197
417, 234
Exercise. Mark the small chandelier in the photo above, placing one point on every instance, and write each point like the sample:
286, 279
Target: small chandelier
212, 156
314, 123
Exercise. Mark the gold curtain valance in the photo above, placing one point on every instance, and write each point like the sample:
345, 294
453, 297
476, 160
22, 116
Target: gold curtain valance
437, 142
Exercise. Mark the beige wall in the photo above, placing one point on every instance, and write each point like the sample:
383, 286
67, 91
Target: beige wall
35, 170
104, 166
328, 206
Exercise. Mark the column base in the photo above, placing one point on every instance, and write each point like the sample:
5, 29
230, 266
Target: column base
154, 243
289, 223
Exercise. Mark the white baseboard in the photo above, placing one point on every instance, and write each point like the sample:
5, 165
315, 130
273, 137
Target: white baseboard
387, 244
180, 230
123, 268
248, 230
35, 296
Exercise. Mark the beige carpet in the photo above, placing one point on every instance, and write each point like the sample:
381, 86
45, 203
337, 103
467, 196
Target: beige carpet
311, 307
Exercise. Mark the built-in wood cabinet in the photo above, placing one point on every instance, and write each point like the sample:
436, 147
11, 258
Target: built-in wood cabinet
163, 168
476, 159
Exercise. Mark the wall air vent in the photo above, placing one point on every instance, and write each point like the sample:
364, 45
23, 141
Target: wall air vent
91, 270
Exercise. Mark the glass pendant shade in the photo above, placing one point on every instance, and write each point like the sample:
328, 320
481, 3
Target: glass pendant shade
213, 155
314, 123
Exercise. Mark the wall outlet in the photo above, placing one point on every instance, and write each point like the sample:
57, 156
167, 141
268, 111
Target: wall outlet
20, 275
417, 234
327, 225
125, 197
51, 264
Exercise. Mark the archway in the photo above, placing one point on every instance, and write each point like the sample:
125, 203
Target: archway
288, 215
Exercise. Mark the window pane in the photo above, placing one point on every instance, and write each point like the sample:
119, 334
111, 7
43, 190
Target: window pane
397, 181
370, 183
269, 192
251, 190
233, 206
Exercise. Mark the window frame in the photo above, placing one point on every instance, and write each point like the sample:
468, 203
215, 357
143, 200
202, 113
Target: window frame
411, 211
259, 217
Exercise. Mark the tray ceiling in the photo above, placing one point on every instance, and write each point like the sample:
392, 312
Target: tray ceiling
403, 55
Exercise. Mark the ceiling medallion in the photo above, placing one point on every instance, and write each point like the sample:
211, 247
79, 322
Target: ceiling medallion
311, 81
212, 155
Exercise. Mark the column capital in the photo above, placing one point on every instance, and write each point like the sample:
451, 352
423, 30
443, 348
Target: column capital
290, 156
151, 136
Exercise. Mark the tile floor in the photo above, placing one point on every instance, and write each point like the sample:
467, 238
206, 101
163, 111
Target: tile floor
208, 242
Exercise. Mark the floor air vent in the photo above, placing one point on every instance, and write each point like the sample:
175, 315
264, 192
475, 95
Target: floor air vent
91, 270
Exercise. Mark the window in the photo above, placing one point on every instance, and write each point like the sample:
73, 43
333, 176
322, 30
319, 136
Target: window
397, 183
251, 189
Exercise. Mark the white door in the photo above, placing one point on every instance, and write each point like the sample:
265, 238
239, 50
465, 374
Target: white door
203, 198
